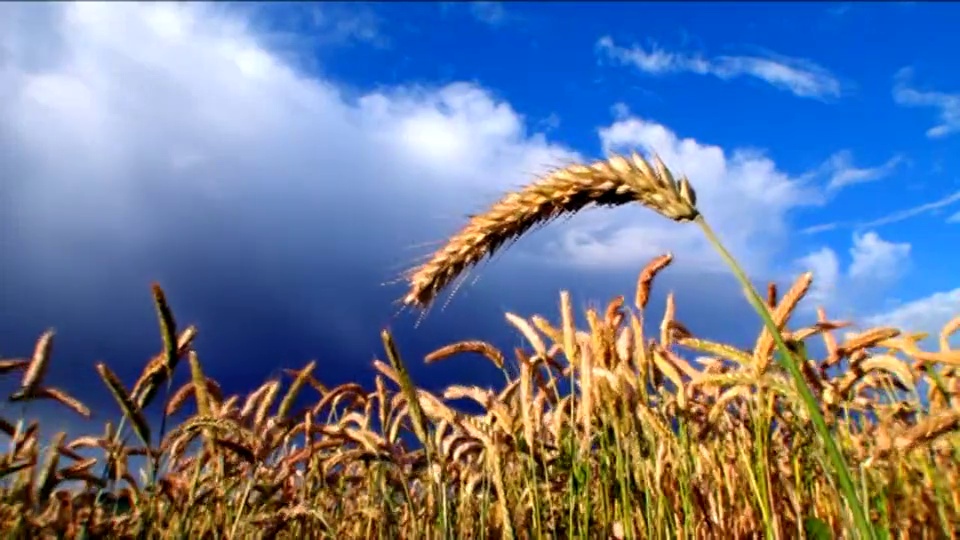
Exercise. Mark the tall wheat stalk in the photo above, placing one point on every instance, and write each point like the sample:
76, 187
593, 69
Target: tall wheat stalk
613, 182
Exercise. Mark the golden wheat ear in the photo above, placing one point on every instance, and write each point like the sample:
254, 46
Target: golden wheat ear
613, 182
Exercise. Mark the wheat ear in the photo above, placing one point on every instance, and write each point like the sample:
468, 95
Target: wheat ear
614, 182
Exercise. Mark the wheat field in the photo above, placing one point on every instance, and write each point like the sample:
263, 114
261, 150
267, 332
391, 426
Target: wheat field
662, 436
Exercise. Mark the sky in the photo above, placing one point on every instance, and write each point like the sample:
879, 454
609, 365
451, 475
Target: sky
276, 167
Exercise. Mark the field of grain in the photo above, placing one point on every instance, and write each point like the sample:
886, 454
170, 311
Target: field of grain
663, 436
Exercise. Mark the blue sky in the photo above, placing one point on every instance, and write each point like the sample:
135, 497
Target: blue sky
273, 165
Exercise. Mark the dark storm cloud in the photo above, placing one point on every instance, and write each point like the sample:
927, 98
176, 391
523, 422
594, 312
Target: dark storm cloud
160, 142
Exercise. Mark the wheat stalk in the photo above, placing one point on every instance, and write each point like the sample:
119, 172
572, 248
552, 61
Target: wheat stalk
613, 182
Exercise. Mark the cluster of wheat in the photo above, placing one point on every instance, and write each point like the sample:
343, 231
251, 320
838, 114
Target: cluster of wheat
600, 431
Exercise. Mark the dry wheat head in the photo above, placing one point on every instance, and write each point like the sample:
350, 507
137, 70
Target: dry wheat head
614, 182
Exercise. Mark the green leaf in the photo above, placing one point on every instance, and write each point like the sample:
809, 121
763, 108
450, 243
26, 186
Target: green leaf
816, 529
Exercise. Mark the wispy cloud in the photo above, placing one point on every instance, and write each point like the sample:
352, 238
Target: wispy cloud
823, 227
801, 77
893, 217
361, 25
843, 173
914, 211
947, 105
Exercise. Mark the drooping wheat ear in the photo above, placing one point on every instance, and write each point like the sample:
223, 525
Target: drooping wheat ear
614, 182
645, 281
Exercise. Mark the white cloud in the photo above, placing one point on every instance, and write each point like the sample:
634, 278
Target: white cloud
139, 132
741, 193
166, 141
928, 314
826, 275
843, 173
893, 217
873, 258
801, 77
947, 105
823, 227
875, 264
459, 132
913, 211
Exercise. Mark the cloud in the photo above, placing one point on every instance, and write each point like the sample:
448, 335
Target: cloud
823, 227
727, 184
875, 259
947, 105
342, 24
826, 274
168, 142
843, 173
927, 314
893, 217
914, 211
218, 98
802, 78
875, 264
955, 218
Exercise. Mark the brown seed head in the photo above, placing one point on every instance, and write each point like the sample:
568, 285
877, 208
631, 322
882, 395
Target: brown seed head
614, 182
645, 281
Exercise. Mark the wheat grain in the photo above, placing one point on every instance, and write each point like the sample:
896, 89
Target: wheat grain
253, 398
613, 182
480, 347
157, 370
772, 295
38, 364
529, 333
60, 396
669, 314
129, 408
765, 343
865, 340
178, 398
8, 365
47, 479
948, 330
287, 402
928, 430
647, 275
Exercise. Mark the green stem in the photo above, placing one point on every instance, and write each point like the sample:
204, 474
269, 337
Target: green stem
788, 362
